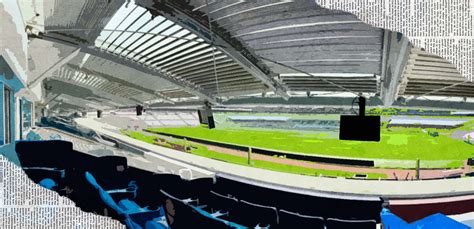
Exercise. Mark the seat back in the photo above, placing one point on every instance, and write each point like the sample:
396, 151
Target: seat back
219, 202
52, 154
110, 171
104, 195
253, 214
289, 219
332, 223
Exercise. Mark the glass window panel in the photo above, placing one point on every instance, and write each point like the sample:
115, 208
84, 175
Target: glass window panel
188, 51
117, 18
141, 22
155, 49
139, 45
26, 108
110, 39
132, 17
152, 24
122, 38
171, 30
7, 115
163, 26
129, 41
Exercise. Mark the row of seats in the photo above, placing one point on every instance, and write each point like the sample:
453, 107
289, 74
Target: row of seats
325, 207
125, 191
228, 208
253, 214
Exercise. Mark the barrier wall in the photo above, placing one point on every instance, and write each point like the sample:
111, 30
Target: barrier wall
330, 160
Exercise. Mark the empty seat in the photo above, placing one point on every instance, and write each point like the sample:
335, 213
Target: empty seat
186, 216
289, 219
148, 184
332, 223
37, 174
190, 189
157, 218
171, 183
218, 202
128, 206
110, 172
253, 214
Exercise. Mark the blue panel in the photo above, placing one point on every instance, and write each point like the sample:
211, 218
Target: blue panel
33, 136
10, 80
48, 183
438, 221
11, 99
26, 107
391, 220
8, 77
129, 206
1, 114
12, 117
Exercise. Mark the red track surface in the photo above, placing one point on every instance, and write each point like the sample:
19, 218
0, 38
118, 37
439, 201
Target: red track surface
400, 174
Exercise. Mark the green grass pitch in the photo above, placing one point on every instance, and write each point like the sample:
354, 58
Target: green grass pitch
396, 143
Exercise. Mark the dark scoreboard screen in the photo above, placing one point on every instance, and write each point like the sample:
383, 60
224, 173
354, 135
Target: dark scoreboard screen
359, 128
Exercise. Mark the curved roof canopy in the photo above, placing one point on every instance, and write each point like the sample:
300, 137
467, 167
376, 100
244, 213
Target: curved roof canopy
123, 53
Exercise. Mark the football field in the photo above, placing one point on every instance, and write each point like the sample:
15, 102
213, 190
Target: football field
397, 143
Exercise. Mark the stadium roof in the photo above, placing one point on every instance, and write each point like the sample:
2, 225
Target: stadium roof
120, 53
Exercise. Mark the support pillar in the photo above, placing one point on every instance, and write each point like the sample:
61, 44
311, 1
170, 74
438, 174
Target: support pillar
418, 169
249, 156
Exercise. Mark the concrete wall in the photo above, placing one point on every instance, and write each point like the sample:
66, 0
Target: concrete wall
13, 38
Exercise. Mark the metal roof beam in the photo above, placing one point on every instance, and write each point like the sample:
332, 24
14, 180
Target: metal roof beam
234, 50
53, 68
100, 75
119, 60
220, 70
98, 93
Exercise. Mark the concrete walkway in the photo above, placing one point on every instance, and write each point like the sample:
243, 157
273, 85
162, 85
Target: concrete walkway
340, 187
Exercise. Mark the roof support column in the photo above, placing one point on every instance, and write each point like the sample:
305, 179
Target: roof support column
396, 51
